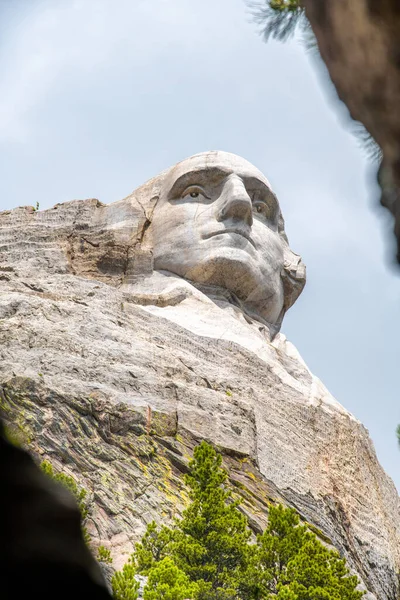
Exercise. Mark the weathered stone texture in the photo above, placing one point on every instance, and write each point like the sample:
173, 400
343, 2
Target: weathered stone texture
116, 394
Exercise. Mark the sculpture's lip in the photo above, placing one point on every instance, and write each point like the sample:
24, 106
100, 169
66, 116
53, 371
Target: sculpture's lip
232, 230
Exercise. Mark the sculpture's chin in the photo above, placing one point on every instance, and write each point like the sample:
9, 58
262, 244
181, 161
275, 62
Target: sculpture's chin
255, 283
255, 287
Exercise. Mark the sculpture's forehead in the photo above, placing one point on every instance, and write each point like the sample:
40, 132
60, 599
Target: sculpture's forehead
213, 161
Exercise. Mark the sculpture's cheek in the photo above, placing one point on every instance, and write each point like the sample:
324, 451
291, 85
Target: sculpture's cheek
177, 228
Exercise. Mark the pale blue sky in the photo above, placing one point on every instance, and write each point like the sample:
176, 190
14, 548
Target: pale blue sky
96, 96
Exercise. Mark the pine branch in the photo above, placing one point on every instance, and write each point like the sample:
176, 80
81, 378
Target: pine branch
278, 19
281, 19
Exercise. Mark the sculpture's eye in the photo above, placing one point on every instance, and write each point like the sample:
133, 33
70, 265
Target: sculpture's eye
264, 207
261, 208
194, 192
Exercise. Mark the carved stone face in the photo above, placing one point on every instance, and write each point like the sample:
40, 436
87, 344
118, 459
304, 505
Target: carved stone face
217, 222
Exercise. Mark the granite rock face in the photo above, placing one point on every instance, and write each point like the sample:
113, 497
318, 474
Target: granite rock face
113, 371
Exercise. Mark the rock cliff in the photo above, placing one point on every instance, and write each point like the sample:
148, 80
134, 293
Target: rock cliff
116, 386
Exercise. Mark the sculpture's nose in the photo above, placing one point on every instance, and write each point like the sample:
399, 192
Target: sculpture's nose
235, 202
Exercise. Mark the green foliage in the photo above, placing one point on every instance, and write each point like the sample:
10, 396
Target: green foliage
207, 555
167, 582
153, 548
316, 572
124, 584
279, 18
104, 555
69, 482
285, 5
213, 541
210, 543
78, 492
290, 562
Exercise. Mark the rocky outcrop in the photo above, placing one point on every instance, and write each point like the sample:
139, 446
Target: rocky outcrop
359, 41
117, 394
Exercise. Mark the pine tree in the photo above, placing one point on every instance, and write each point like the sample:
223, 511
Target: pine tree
293, 564
213, 541
279, 18
167, 582
210, 543
124, 584
207, 555
154, 547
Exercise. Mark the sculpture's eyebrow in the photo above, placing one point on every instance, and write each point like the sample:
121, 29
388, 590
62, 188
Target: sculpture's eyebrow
267, 195
253, 183
204, 175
